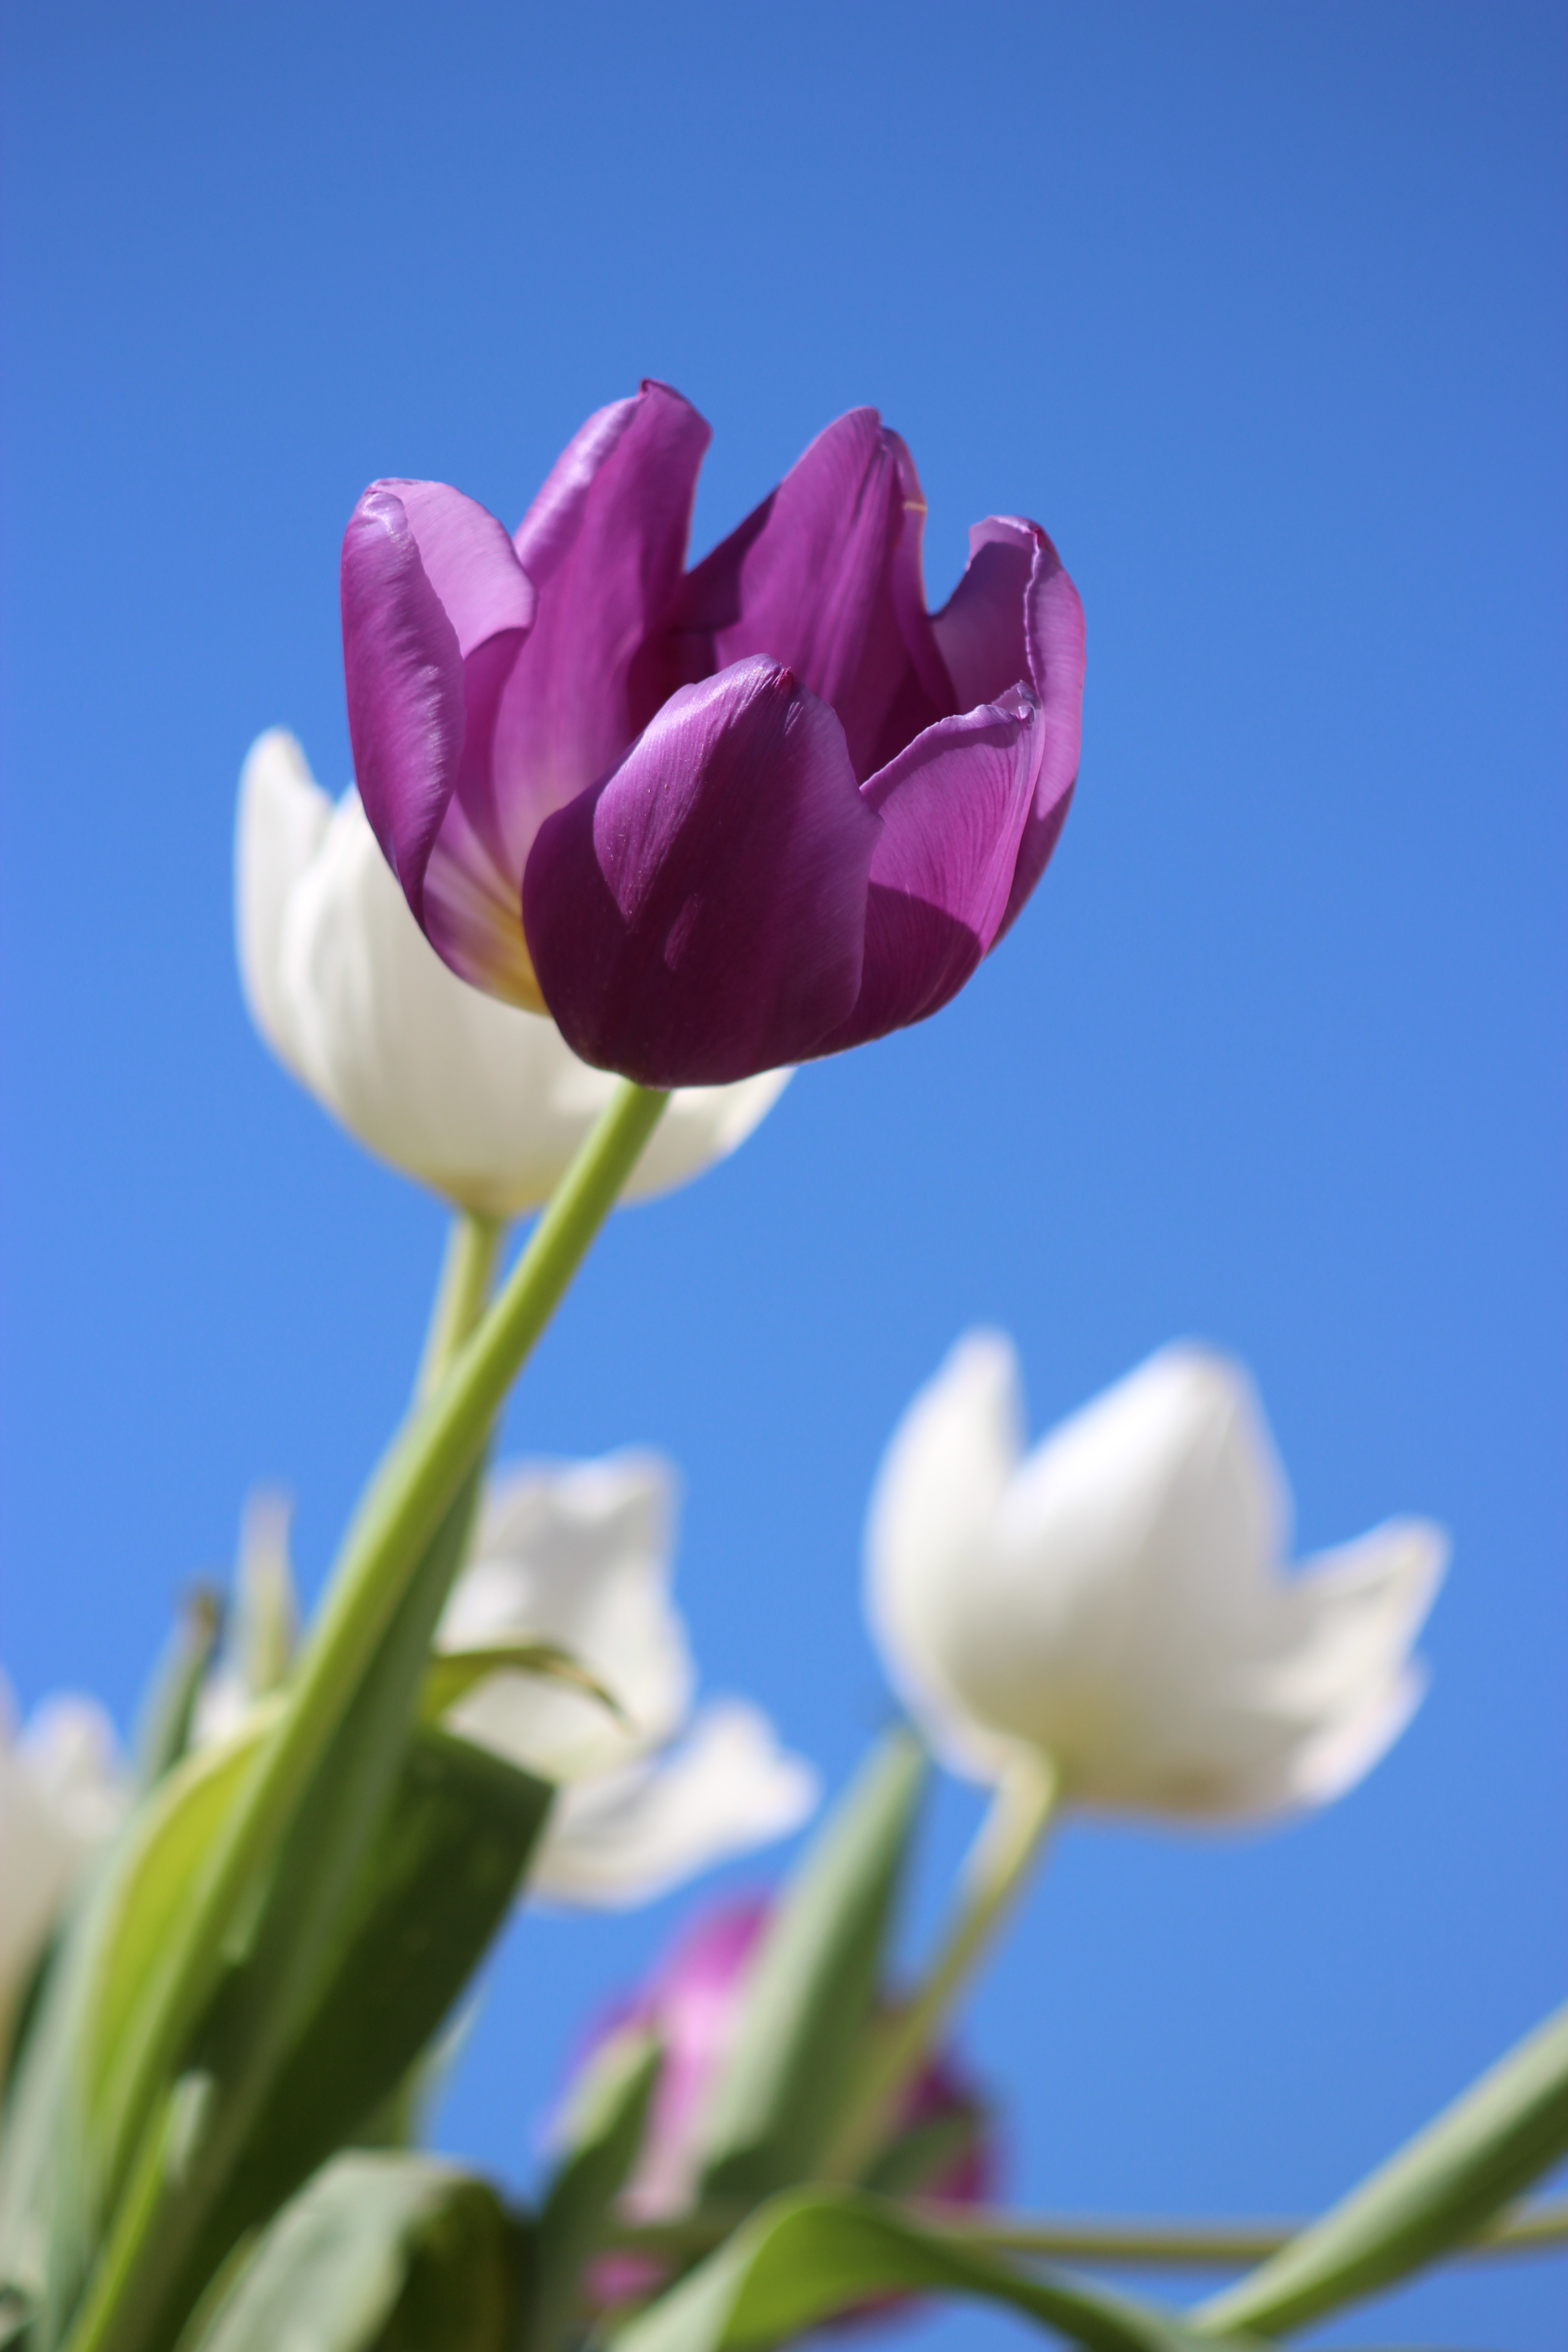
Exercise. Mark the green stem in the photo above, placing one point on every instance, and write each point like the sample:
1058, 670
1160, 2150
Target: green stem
1011, 1835
468, 1273
396, 1519
1152, 2245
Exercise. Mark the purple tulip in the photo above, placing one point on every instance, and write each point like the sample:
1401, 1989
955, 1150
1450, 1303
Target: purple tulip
693, 2004
718, 820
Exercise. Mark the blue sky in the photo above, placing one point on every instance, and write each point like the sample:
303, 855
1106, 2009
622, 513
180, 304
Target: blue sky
1260, 309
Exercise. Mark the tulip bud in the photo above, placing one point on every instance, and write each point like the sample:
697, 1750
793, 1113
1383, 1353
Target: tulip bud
942, 2146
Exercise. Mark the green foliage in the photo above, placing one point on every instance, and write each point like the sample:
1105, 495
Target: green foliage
164, 1729
452, 1672
810, 1986
436, 1884
807, 2256
603, 2135
379, 2254
1433, 2194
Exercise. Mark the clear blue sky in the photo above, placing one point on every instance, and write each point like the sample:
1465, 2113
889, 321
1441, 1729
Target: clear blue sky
1260, 308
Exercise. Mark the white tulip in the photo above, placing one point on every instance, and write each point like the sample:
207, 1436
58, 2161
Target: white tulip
1116, 1599
578, 1555
63, 1790
484, 1103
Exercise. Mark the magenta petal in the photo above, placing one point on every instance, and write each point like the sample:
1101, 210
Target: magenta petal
953, 809
469, 560
818, 578
433, 597
1053, 635
699, 915
1014, 617
980, 629
604, 543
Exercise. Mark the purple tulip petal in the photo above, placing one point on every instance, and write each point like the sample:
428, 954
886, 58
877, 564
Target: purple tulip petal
1015, 616
604, 543
699, 915
824, 577
1054, 634
434, 605
953, 809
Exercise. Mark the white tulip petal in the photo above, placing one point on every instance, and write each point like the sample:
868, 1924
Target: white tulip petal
484, 1103
577, 1554
633, 1835
944, 1475
1117, 1599
283, 815
62, 1793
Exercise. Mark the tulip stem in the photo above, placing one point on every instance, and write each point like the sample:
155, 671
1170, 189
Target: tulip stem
1113, 2243
1006, 1846
468, 1273
416, 1483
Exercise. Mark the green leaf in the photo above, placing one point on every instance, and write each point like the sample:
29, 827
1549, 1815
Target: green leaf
811, 1985
164, 1729
605, 2132
427, 1901
813, 2254
166, 1842
451, 1674
379, 2254
1427, 2200
428, 1897
919, 2157
284, 1957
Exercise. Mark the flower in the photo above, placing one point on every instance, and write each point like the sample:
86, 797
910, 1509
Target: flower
484, 1103
63, 1790
692, 2005
720, 820
1116, 1599
578, 1555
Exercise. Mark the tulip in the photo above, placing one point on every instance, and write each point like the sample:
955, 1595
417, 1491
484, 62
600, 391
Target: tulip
484, 1103
579, 1555
63, 1790
692, 2005
721, 820
1116, 1599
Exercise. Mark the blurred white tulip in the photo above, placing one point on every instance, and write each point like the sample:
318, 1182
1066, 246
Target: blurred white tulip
1116, 1599
485, 1104
63, 1790
578, 1555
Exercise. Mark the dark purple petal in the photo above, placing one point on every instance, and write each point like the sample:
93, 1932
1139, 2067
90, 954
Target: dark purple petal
1014, 617
434, 605
604, 543
824, 577
953, 809
980, 629
699, 915
1053, 635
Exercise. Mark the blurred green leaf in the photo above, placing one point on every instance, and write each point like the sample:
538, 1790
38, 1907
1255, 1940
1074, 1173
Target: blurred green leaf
812, 2255
379, 2254
428, 1898
923, 2155
165, 1845
811, 1984
284, 1960
164, 1728
604, 2133
452, 1674
1426, 2201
